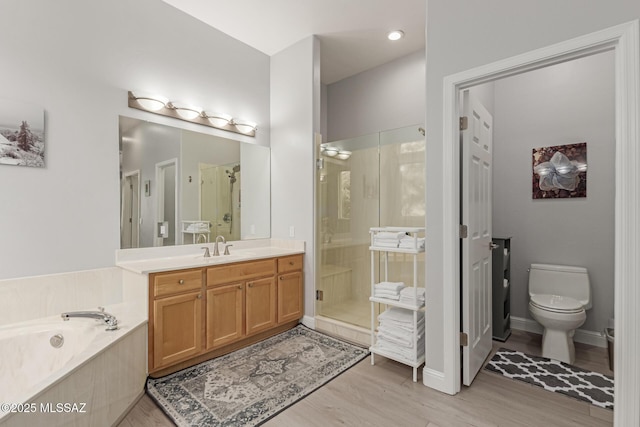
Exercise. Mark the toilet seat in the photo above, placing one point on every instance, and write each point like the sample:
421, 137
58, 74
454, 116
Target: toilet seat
556, 303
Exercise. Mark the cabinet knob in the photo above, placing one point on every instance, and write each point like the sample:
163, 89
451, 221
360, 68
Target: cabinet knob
181, 281
199, 296
290, 262
240, 287
250, 285
281, 277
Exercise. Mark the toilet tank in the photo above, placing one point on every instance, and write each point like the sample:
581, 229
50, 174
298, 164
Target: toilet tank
560, 280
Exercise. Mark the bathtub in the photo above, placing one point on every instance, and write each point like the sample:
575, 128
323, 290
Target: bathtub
91, 379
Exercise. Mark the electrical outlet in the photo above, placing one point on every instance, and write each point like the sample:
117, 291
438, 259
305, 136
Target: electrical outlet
292, 231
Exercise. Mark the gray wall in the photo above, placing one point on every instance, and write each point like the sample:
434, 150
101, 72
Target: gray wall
567, 103
77, 59
386, 97
462, 35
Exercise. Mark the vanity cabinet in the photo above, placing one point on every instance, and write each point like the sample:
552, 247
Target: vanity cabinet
240, 301
201, 313
225, 304
290, 288
176, 331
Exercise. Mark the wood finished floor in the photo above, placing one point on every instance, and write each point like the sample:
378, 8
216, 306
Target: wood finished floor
385, 395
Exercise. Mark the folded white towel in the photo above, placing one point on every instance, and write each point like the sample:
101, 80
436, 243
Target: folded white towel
385, 245
407, 295
399, 315
404, 338
405, 353
390, 235
409, 291
411, 243
401, 328
386, 295
390, 286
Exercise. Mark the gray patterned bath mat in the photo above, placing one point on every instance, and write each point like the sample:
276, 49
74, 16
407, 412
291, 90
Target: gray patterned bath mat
251, 385
556, 376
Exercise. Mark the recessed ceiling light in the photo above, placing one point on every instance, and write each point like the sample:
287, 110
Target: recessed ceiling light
395, 35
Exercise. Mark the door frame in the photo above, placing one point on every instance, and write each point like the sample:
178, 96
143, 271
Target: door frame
128, 176
160, 171
624, 39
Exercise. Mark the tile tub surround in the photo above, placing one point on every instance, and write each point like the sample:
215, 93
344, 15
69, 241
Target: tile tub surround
44, 296
108, 374
153, 260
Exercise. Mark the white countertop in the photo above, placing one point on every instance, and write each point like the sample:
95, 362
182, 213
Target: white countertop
143, 261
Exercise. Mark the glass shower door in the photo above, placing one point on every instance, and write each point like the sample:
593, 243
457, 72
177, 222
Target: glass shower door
369, 181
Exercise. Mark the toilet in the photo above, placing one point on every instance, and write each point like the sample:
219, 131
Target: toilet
559, 296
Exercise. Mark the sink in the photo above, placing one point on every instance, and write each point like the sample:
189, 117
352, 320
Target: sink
224, 258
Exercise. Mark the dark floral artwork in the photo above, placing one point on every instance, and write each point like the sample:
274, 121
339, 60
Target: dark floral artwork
560, 171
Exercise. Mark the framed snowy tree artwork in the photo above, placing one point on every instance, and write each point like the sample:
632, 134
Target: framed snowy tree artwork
560, 171
21, 134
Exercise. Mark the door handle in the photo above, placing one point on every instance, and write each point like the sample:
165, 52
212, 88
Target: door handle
493, 246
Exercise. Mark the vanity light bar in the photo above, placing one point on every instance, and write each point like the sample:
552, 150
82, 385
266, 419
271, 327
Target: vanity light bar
189, 113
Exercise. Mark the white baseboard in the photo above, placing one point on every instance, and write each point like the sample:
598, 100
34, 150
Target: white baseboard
436, 380
582, 336
309, 322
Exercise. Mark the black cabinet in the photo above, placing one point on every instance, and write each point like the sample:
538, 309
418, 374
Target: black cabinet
501, 288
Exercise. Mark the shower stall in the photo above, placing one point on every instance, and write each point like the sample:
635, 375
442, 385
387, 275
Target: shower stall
363, 182
220, 199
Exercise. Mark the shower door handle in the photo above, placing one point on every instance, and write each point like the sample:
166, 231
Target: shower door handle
493, 246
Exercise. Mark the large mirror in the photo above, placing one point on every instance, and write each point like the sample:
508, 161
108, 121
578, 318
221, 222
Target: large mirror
184, 187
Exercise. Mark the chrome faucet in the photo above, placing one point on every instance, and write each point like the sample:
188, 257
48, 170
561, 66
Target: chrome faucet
207, 254
109, 319
203, 237
216, 251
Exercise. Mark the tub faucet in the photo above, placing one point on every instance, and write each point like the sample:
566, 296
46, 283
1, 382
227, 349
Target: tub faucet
216, 251
109, 319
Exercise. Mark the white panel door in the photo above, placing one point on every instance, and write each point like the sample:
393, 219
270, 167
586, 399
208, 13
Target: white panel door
477, 149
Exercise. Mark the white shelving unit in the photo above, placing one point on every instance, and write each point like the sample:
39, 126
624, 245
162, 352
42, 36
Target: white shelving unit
196, 229
414, 249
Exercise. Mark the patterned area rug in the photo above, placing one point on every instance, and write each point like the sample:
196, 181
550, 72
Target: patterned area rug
251, 385
554, 375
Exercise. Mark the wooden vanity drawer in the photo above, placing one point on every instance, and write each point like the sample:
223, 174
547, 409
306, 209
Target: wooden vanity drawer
240, 271
176, 282
290, 263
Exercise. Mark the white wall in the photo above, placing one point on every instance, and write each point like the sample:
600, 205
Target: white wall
567, 103
463, 35
77, 59
386, 97
295, 116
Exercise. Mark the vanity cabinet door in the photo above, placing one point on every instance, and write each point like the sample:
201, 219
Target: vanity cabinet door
225, 306
260, 310
290, 304
177, 328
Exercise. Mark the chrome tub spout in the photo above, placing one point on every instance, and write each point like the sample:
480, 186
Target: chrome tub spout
108, 319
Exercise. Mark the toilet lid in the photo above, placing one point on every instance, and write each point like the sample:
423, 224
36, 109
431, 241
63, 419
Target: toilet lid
557, 303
